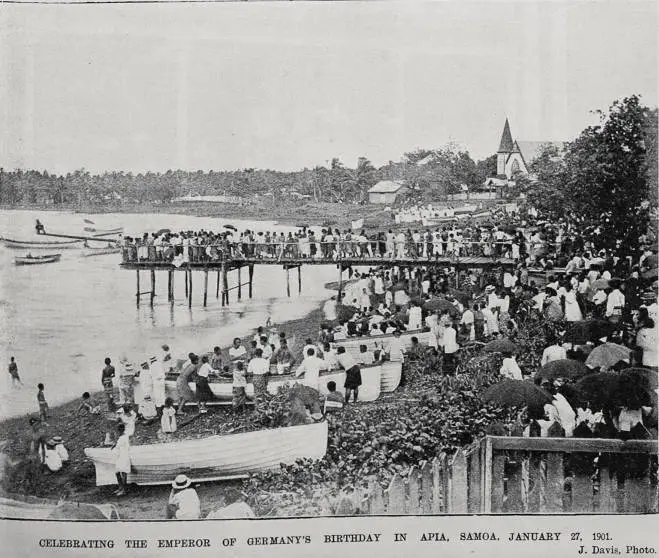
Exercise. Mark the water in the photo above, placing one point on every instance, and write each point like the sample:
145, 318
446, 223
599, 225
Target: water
61, 320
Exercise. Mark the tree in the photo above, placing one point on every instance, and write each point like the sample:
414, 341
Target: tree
604, 177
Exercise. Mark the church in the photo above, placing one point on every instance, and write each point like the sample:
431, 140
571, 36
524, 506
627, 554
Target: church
515, 157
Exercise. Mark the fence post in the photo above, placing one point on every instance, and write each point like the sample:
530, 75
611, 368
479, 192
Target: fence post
396, 496
414, 489
426, 488
436, 486
458, 489
376, 499
474, 479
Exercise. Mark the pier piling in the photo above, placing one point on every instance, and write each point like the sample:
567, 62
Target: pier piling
186, 283
250, 270
189, 273
288, 281
205, 287
153, 286
240, 285
137, 294
225, 286
217, 287
169, 286
299, 279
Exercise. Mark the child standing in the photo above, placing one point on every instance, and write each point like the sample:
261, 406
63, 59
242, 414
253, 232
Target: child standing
239, 387
168, 420
43, 405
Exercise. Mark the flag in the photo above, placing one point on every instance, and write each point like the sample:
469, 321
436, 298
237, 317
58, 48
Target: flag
89, 222
358, 224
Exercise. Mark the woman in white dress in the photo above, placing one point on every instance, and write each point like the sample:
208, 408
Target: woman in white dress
121, 450
572, 309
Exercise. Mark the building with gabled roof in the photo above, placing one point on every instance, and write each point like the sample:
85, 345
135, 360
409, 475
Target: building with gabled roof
515, 157
385, 191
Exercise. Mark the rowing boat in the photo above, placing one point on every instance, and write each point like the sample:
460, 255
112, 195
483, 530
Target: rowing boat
102, 251
104, 232
216, 457
392, 371
370, 389
39, 245
352, 344
32, 260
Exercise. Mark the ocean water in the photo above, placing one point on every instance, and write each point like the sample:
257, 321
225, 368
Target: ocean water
61, 320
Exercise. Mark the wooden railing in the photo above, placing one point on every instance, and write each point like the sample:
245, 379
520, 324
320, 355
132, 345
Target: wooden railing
521, 475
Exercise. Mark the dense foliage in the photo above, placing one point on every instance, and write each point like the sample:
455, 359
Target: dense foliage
607, 175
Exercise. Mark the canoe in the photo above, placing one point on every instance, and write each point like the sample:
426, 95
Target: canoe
390, 375
215, 457
88, 252
104, 232
38, 245
33, 260
382, 341
222, 388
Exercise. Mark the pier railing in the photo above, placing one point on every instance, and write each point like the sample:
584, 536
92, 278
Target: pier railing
521, 475
273, 251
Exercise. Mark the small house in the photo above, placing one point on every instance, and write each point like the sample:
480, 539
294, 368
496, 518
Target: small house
385, 192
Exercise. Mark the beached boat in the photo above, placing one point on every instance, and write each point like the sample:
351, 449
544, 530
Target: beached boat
29, 259
390, 375
39, 245
28, 507
222, 387
215, 457
375, 342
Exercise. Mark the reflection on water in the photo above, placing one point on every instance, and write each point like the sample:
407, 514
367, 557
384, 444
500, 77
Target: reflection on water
61, 320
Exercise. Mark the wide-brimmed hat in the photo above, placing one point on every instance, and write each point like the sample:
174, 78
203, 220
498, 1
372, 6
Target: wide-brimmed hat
181, 482
490, 288
57, 439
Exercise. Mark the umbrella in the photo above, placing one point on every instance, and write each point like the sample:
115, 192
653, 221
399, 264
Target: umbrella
501, 346
641, 376
563, 368
516, 393
441, 305
231, 227
163, 231
636, 387
650, 274
599, 388
588, 330
607, 355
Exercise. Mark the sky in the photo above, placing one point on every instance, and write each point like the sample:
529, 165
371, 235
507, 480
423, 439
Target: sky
287, 85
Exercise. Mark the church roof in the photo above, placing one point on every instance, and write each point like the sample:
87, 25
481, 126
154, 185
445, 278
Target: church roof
506, 144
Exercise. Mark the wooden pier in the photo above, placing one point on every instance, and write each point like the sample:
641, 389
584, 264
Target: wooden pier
223, 267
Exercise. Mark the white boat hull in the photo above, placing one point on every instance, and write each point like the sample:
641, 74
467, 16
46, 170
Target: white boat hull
368, 391
391, 374
36, 245
216, 457
382, 341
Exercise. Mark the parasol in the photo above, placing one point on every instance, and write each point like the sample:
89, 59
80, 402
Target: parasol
231, 227
599, 389
563, 368
579, 333
441, 305
501, 346
516, 393
645, 377
163, 231
606, 355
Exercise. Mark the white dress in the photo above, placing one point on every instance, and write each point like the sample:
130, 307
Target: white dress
168, 420
572, 310
122, 452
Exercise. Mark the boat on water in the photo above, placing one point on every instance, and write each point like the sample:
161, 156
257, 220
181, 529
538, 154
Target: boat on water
214, 458
100, 251
222, 387
40, 245
29, 259
376, 342
104, 232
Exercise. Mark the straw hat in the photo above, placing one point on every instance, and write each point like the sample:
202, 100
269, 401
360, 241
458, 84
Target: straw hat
181, 482
57, 440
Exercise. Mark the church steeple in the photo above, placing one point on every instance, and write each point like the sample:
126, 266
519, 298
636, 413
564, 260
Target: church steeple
506, 145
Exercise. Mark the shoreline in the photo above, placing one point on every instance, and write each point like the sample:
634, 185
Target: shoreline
288, 213
76, 482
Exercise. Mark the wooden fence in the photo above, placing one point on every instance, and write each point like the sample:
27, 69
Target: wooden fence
502, 474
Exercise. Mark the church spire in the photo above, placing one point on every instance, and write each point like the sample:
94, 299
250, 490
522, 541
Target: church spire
506, 145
